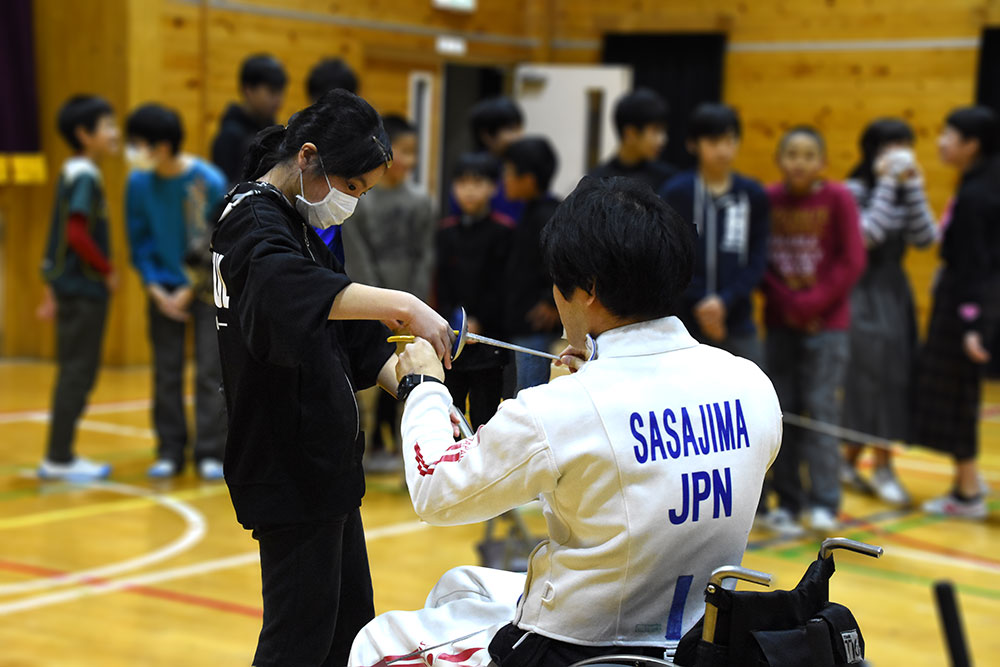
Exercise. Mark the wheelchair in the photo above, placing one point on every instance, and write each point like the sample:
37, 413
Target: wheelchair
796, 628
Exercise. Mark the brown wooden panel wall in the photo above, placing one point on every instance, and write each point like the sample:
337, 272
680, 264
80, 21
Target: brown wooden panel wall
186, 53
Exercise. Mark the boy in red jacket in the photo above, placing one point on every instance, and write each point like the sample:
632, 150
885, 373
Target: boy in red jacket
816, 253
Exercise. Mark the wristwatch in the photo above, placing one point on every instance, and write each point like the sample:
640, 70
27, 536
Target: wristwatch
410, 382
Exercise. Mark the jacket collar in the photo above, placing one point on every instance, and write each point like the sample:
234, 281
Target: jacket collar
644, 338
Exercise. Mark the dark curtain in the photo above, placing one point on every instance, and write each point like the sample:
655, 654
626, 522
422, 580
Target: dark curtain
18, 94
988, 94
686, 68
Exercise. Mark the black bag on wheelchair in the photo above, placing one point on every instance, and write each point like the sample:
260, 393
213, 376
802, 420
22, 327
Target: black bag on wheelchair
795, 628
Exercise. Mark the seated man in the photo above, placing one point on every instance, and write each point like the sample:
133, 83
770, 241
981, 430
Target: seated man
648, 461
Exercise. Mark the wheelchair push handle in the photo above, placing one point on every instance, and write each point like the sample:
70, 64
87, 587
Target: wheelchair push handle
611, 660
831, 544
715, 582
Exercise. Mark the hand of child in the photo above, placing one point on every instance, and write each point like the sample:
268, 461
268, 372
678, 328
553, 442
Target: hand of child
973, 345
165, 304
111, 281
711, 315
543, 317
47, 309
423, 321
182, 298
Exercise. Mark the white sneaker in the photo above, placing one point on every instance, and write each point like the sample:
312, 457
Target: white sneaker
888, 487
949, 505
852, 479
80, 470
823, 520
210, 470
781, 521
162, 469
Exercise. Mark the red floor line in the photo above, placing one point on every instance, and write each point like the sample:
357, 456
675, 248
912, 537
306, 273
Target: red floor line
146, 591
923, 545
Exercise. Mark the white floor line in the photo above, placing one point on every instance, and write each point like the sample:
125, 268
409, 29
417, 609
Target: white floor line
95, 409
940, 559
195, 527
182, 572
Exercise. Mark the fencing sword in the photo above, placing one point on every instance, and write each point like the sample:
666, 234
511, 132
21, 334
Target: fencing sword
460, 327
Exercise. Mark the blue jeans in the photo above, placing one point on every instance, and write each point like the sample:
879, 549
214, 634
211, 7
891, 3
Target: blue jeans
531, 370
808, 372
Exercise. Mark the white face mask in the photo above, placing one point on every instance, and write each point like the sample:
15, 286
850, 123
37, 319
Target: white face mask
332, 210
139, 158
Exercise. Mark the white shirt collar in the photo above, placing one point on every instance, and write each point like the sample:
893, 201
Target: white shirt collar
642, 338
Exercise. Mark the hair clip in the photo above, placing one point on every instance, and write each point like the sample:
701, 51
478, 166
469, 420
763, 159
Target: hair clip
385, 153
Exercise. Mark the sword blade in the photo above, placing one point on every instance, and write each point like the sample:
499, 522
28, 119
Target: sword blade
510, 346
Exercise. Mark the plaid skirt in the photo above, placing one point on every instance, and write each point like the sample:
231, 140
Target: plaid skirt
947, 384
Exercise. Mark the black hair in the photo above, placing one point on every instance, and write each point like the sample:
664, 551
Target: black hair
397, 126
482, 164
81, 111
807, 130
977, 122
616, 239
639, 109
263, 69
154, 123
535, 156
330, 74
346, 130
492, 115
711, 119
877, 134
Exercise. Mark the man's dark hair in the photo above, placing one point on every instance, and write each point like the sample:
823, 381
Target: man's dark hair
482, 165
713, 120
154, 123
639, 109
807, 130
616, 239
263, 69
396, 126
535, 156
81, 111
330, 74
492, 115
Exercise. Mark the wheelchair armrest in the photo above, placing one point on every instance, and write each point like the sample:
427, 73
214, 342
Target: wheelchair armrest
612, 660
832, 543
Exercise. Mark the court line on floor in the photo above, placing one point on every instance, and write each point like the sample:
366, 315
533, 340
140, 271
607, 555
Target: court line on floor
194, 531
95, 409
138, 584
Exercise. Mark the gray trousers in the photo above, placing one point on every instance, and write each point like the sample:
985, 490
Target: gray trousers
79, 332
168, 337
808, 374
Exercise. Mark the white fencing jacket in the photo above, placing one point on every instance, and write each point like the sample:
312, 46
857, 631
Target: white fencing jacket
648, 463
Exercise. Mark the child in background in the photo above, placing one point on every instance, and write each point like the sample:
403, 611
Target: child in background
731, 213
496, 123
169, 199
391, 244
262, 89
80, 279
472, 249
330, 74
641, 122
888, 187
816, 255
530, 316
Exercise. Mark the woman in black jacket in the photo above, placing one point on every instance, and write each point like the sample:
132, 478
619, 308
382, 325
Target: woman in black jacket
966, 310
297, 339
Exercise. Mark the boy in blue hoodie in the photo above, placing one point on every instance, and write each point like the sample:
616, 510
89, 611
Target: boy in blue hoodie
732, 215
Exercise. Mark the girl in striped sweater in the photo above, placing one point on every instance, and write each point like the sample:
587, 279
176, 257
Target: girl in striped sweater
889, 189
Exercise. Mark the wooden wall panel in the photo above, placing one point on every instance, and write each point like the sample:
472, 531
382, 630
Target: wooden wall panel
186, 54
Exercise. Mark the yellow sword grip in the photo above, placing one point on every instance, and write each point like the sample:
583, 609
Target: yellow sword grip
406, 339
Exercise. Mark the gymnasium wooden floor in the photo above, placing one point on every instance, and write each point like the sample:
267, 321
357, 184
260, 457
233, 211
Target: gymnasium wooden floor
130, 573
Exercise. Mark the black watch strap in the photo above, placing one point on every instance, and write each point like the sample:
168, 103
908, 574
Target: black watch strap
410, 382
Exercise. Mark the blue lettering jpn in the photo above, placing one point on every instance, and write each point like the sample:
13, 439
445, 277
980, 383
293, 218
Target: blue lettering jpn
679, 518
643, 454
701, 483
688, 432
722, 493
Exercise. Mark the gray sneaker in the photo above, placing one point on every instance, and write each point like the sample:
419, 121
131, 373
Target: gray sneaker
851, 479
950, 506
210, 470
781, 521
888, 487
78, 470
